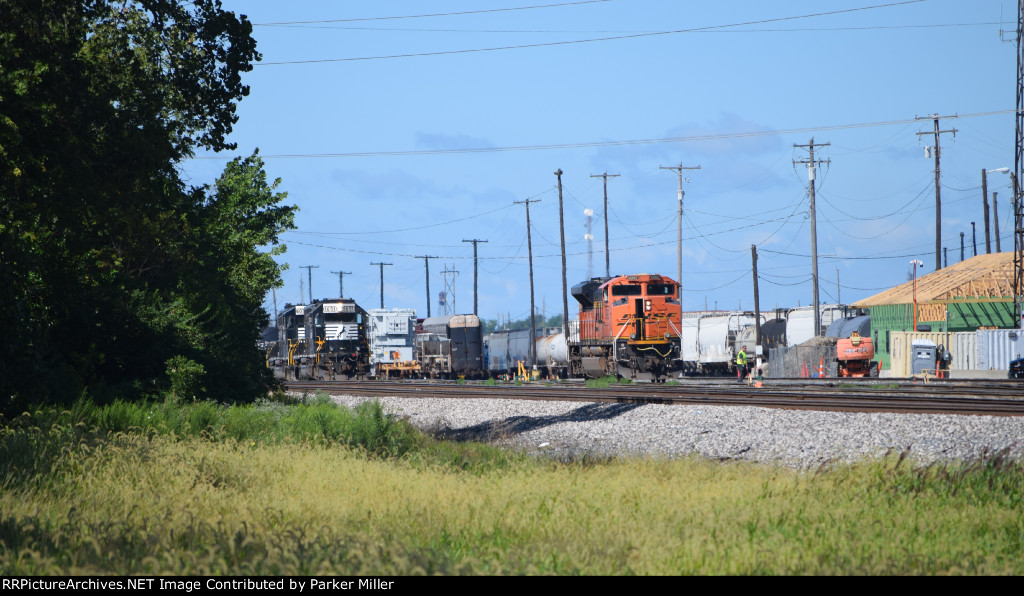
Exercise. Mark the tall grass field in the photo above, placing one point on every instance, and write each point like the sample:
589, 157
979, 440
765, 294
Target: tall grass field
311, 488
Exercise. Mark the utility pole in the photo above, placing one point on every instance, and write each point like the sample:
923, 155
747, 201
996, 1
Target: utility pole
381, 281
945, 257
679, 241
984, 200
607, 258
529, 251
757, 303
839, 288
974, 239
309, 269
273, 292
811, 165
426, 262
341, 282
474, 273
565, 288
449, 289
938, 186
961, 247
995, 219
1018, 171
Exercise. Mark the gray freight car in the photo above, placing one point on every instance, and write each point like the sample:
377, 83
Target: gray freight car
450, 346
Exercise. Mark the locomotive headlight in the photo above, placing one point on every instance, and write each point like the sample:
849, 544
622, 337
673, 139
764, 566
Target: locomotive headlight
647, 304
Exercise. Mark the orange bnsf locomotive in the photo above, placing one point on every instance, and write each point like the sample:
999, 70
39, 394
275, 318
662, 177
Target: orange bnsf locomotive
628, 327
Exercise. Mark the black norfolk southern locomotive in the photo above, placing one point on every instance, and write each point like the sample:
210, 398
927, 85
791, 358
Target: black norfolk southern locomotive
322, 340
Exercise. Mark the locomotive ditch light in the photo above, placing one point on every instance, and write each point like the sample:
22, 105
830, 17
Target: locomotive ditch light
632, 336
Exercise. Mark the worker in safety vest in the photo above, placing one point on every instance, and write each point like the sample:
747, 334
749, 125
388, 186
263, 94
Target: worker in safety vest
741, 364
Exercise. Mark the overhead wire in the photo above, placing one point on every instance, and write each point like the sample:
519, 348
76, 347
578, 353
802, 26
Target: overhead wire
585, 145
440, 14
590, 40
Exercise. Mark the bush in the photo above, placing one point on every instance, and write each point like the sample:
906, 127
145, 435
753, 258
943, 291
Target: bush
185, 377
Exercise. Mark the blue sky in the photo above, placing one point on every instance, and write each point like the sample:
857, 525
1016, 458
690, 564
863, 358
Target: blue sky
400, 137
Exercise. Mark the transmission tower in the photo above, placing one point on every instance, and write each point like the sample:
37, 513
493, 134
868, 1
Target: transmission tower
449, 290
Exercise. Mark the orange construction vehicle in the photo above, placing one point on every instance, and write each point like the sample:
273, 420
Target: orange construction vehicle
854, 355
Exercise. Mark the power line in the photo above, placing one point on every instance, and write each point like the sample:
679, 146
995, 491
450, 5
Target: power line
591, 40
314, 25
593, 144
440, 14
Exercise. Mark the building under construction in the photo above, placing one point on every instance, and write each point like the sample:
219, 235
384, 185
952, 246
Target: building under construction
975, 293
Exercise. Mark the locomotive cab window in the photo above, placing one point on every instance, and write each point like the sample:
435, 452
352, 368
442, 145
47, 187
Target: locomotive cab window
660, 289
627, 290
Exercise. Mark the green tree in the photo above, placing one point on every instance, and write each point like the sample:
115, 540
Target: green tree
102, 246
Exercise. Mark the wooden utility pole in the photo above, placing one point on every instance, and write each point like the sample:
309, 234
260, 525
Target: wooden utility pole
565, 287
426, 263
757, 302
984, 200
381, 281
995, 219
679, 241
273, 292
529, 251
607, 258
938, 186
1015, 177
309, 269
474, 273
341, 282
811, 165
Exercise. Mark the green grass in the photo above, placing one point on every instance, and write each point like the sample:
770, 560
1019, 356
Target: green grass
607, 381
875, 386
312, 488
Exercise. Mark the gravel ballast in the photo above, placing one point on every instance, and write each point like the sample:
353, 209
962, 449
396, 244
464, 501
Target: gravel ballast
798, 439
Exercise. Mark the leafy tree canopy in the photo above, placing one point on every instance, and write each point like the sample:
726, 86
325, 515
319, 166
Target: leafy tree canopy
114, 276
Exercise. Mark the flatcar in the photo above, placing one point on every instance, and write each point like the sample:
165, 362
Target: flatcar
628, 327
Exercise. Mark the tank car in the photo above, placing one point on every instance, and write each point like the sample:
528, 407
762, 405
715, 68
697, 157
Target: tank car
322, 340
628, 327
507, 349
711, 340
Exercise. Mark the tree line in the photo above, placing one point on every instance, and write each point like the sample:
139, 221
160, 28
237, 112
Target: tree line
118, 279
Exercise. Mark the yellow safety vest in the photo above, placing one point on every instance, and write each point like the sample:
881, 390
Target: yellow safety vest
741, 358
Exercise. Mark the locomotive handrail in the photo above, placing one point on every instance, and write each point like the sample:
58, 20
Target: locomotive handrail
319, 345
615, 342
291, 352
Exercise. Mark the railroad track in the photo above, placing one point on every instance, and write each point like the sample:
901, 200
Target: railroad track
992, 398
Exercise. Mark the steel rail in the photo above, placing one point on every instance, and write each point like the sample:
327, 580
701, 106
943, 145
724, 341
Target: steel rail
823, 398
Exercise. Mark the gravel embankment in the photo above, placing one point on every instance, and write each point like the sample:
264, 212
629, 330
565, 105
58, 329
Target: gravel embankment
799, 439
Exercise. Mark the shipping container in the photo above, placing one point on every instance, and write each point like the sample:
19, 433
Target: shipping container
997, 347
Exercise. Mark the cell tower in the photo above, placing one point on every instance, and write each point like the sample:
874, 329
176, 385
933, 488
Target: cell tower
589, 213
